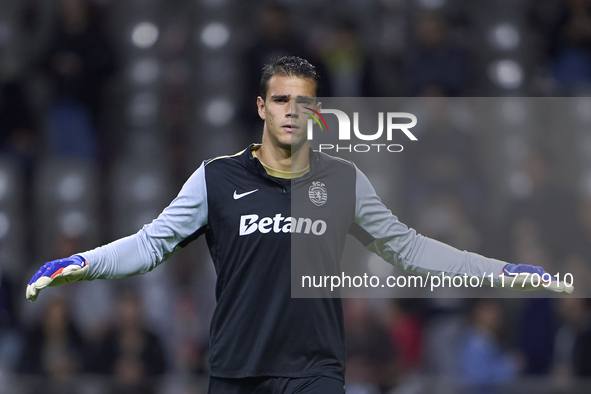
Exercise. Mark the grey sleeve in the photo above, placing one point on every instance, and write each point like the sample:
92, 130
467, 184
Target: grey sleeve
155, 242
403, 247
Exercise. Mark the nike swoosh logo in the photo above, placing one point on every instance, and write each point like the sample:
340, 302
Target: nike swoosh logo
238, 196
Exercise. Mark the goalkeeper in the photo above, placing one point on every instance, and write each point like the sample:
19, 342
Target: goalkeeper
254, 207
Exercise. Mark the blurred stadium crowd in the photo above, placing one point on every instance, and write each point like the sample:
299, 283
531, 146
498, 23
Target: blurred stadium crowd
106, 107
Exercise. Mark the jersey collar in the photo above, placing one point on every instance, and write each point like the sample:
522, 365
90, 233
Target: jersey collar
255, 165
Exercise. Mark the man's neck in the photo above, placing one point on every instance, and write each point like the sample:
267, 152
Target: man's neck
284, 159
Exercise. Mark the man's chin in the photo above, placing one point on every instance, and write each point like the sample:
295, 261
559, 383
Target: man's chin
293, 144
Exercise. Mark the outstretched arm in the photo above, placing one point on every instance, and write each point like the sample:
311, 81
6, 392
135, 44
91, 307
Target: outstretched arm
137, 254
382, 233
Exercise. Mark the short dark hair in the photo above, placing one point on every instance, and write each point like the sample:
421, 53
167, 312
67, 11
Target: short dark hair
288, 66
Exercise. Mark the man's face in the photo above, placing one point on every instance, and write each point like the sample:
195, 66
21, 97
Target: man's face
283, 110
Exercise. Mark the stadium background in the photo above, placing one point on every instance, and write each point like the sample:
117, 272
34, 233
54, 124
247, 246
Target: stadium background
107, 107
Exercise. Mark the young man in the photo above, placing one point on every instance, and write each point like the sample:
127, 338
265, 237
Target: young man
255, 208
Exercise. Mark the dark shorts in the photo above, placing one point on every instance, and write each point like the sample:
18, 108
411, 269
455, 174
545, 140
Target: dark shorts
272, 385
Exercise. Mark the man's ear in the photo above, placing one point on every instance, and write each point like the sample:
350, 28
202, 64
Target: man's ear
318, 106
261, 107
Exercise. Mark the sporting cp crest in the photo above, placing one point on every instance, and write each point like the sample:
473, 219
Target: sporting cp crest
317, 193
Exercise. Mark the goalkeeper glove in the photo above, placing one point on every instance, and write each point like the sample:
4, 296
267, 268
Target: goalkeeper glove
527, 277
56, 273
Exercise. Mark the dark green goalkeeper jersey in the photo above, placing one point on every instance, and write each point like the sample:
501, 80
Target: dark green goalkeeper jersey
263, 232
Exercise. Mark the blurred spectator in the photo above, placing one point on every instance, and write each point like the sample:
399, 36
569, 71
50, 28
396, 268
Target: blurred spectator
177, 94
190, 342
567, 32
444, 173
54, 347
583, 231
435, 66
573, 340
532, 239
18, 132
66, 245
346, 62
538, 326
444, 218
443, 325
371, 360
484, 367
9, 338
130, 377
406, 333
276, 36
129, 351
91, 302
7, 310
78, 61
527, 244
582, 354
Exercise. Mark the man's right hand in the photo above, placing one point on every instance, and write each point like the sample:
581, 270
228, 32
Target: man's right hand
57, 273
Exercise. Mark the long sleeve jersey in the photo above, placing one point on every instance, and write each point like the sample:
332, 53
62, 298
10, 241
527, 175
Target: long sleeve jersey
256, 226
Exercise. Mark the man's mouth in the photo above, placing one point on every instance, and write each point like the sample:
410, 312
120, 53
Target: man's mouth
290, 127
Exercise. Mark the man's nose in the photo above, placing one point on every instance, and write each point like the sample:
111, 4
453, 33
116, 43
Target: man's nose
292, 109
